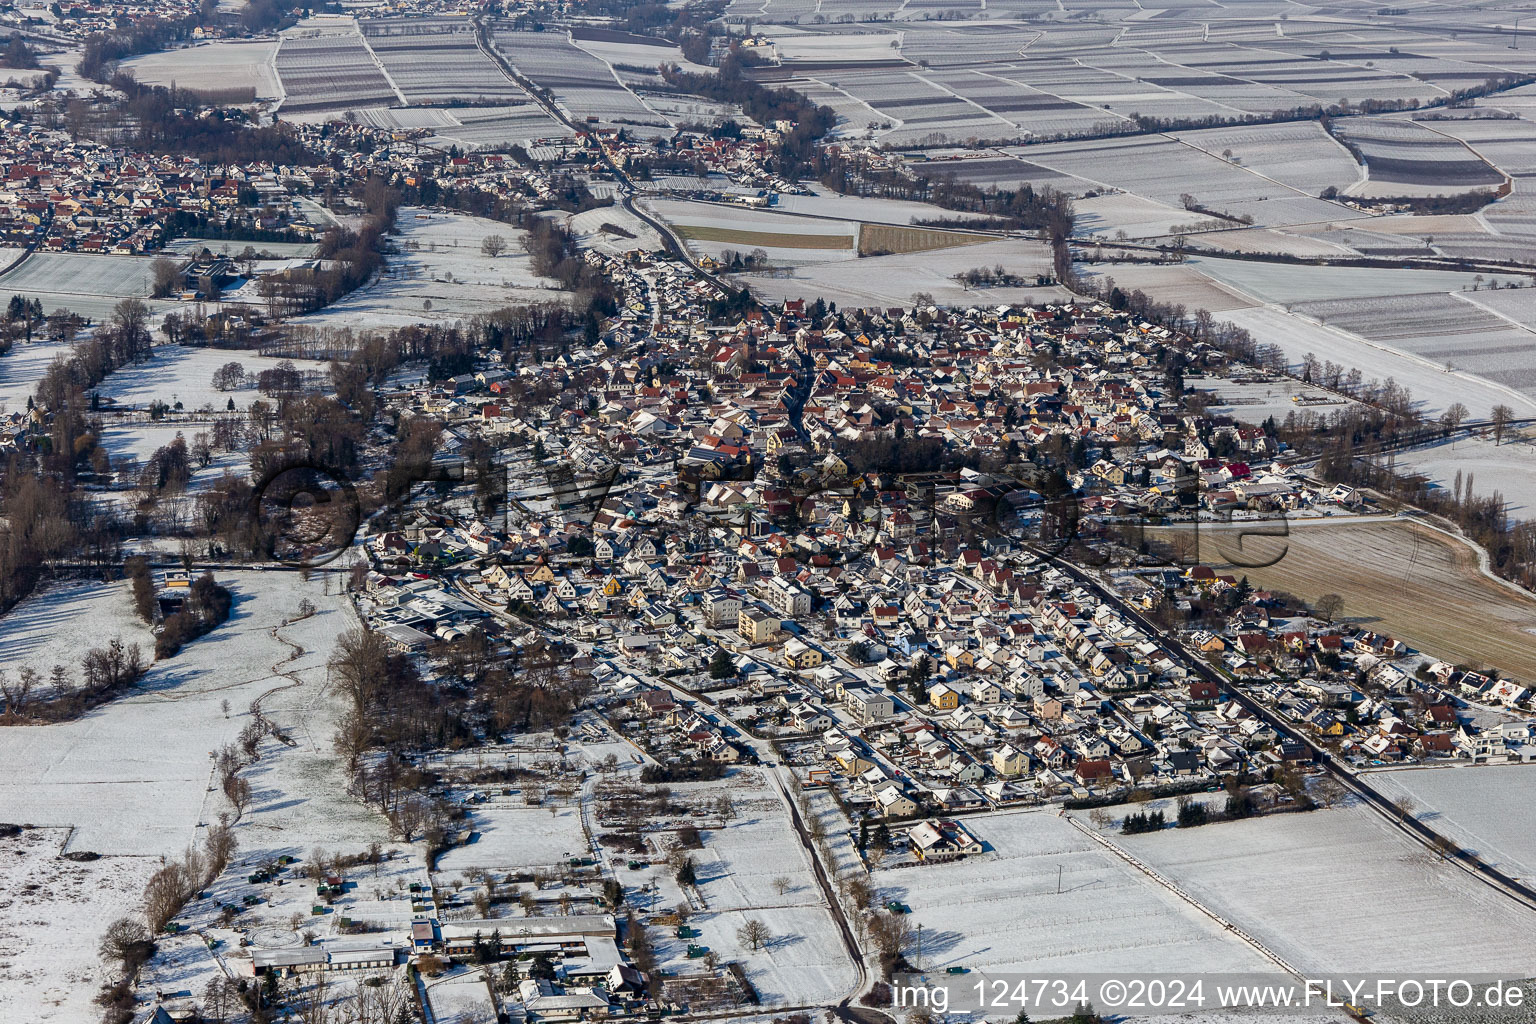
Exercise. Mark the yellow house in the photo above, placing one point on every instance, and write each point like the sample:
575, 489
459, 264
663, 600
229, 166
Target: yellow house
757, 626
800, 655
943, 697
612, 587
1008, 760
959, 657
851, 763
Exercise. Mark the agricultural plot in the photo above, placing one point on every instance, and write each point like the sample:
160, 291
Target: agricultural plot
183, 374
1511, 467
1487, 809
226, 64
713, 228
436, 60
330, 69
1398, 577
1508, 145
1301, 155
1164, 170
130, 780
477, 128
892, 280
1179, 283
1403, 152
583, 85
1045, 898
21, 368
85, 284
882, 239
507, 832
1434, 387
440, 275
49, 907
1283, 879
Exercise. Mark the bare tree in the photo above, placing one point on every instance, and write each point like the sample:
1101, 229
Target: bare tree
493, 245
782, 885
127, 943
221, 999
1328, 791
1500, 418
754, 934
1328, 607
1453, 416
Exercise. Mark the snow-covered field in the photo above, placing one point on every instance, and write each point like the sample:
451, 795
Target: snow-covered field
440, 275
22, 368
59, 623
224, 64
1488, 809
1002, 911
461, 999
1343, 891
1291, 283
1433, 388
85, 284
509, 835
891, 280
51, 914
130, 780
1509, 468
180, 373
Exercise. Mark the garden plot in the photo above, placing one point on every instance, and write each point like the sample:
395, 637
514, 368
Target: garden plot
507, 835
1487, 809
217, 66
1045, 898
328, 67
441, 275
1322, 888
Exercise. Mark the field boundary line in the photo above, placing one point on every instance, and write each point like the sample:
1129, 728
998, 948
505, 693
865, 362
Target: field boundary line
1174, 888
